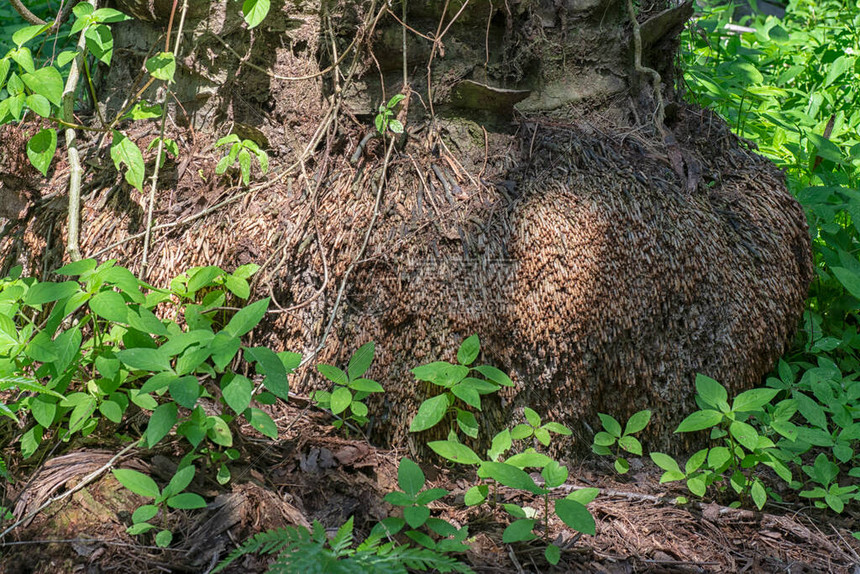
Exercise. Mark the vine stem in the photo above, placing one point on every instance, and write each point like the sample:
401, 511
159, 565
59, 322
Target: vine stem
656, 80
75, 169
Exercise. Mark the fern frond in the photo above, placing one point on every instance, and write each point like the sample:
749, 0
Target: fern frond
269, 542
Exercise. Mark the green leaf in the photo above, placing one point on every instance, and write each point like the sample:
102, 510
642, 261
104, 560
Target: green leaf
144, 513
24, 35
255, 11
710, 390
270, 365
109, 305
123, 151
186, 501
341, 398
532, 417
530, 458
416, 516
552, 553
476, 495
583, 495
111, 411
180, 481
185, 391
441, 373
162, 66
109, 15
430, 495
745, 434
366, 386
665, 462
469, 349
637, 422
100, 42
245, 165
501, 443
144, 359
43, 410
575, 515
467, 394
758, 493
557, 428
236, 390
262, 423
42, 293
621, 465
700, 420
508, 475
519, 531
849, 279
24, 58
42, 146
611, 425
395, 126
753, 400
495, 375
247, 318
163, 538
554, 474
454, 451
77, 267
238, 287
333, 374
139, 528
429, 413
360, 360
160, 423
467, 423
219, 433
630, 444
40, 104
137, 482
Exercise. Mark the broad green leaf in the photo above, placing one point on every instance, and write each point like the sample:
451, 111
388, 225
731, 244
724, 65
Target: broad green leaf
467, 394
454, 451
508, 475
109, 305
631, 445
637, 422
621, 465
710, 390
247, 318
24, 58
144, 359
583, 495
495, 375
360, 360
43, 410
476, 495
123, 151
341, 398
753, 399
530, 458
24, 35
552, 553
180, 481
47, 82
42, 293
185, 391
163, 538
429, 495
410, 477
111, 411
40, 105
532, 417
441, 373
137, 482
575, 515
270, 365
554, 474
469, 349
220, 433
238, 287
144, 513
519, 531
366, 386
162, 66
745, 434
849, 279
333, 374
665, 462
255, 11
700, 420
758, 493
100, 42
186, 501
262, 423
467, 423
501, 443
611, 425
64, 57
160, 423
245, 165
236, 390
429, 413
109, 15
416, 516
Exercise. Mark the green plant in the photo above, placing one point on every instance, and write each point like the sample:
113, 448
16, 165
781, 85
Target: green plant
385, 119
740, 447
301, 550
416, 514
172, 496
458, 384
241, 151
494, 469
612, 436
350, 388
90, 351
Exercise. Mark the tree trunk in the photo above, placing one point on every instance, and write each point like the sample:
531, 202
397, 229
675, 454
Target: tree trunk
605, 240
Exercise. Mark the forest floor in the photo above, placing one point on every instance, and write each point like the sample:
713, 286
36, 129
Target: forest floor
314, 473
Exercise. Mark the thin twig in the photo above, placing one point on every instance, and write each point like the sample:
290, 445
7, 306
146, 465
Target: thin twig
637, 62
